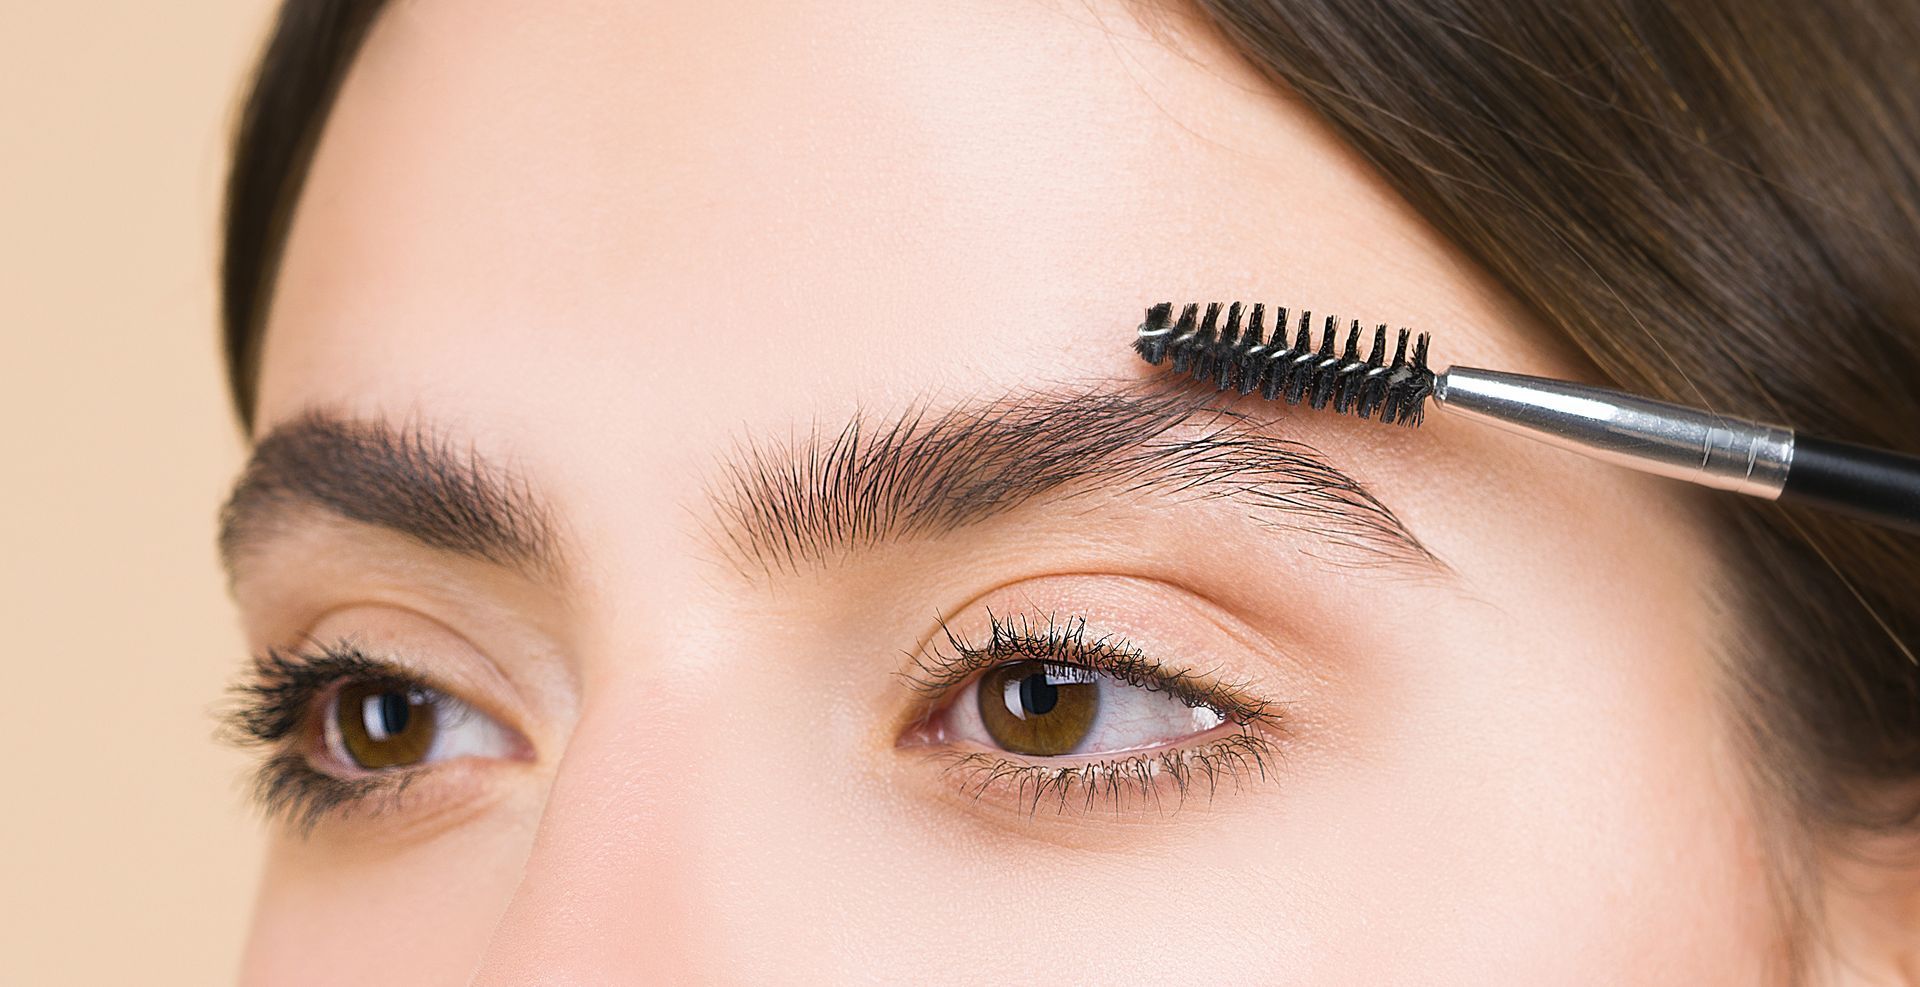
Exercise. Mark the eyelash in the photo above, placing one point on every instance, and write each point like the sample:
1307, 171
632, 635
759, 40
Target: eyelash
273, 705
1141, 778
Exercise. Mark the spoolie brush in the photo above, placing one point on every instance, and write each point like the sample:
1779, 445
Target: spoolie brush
1239, 355
1672, 440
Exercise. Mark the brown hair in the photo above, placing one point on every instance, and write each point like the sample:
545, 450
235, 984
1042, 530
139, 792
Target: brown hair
1718, 201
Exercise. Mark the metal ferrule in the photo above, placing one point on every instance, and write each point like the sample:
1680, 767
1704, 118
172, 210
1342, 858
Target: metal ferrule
1639, 433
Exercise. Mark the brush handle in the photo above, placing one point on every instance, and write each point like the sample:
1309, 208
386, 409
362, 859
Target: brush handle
1870, 484
1753, 458
1643, 434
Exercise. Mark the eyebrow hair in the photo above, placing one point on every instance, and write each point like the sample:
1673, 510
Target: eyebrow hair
782, 506
408, 479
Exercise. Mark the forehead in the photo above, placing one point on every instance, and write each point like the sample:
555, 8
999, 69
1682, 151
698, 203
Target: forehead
886, 200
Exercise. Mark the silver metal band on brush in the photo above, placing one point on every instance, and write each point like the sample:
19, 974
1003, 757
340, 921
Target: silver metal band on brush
1635, 432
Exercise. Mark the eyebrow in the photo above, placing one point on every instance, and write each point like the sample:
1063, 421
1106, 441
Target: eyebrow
409, 479
784, 505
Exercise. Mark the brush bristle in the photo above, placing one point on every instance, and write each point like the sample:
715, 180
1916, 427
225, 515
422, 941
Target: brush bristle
1238, 354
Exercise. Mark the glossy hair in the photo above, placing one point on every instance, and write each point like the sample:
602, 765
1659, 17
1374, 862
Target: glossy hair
1716, 201
306, 58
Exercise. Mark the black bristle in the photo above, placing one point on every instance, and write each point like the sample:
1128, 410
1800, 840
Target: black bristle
1320, 386
1272, 362
1226, 367
1372, 386
1241, 355
1252, 350
1299, 365
1347, 377
1205, 344
1155, 332
1182, 340
1422, 381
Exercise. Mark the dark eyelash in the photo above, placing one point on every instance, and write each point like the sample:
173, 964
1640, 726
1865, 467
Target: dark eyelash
1065, 642
1240, 758
273, 707
272, 698
286, 787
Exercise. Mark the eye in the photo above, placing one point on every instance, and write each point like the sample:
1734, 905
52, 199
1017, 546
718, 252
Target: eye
1043, 714
382, 725
1048, 709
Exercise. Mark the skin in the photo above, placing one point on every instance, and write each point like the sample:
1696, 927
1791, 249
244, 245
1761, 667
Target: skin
606, 243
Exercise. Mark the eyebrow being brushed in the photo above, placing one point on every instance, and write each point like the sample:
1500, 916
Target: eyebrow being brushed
780, 507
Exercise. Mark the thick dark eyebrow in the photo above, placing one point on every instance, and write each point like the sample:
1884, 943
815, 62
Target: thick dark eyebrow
407, 479
785, 505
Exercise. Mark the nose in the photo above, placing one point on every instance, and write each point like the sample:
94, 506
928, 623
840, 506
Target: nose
604, 894
676, 846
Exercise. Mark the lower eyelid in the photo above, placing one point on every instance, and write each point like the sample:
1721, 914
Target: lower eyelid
402, 803
1157, 780
293, 786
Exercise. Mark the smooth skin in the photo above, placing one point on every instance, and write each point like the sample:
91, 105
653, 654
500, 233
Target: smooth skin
606, 243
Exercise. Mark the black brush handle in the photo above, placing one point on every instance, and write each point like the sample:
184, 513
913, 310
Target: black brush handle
1872, 484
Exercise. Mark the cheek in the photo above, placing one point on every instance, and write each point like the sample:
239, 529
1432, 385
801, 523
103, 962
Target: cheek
329, 913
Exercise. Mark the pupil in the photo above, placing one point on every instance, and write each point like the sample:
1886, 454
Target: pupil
1037, 695
394, 713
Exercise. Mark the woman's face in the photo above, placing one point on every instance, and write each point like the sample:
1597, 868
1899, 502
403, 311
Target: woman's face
731, 417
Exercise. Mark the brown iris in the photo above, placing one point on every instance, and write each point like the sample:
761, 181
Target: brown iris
1033, 707
383, 725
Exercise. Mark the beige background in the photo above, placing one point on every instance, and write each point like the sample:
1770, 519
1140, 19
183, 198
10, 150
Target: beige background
127, 853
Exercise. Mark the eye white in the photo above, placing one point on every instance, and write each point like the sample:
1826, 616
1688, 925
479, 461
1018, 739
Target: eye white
462, 731
1131, 718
